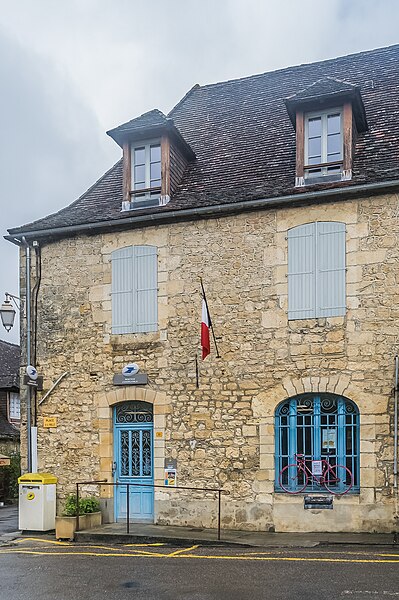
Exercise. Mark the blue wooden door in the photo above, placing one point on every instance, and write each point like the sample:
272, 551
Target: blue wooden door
133, 436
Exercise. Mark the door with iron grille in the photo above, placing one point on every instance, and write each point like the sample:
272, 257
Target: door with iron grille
133, 451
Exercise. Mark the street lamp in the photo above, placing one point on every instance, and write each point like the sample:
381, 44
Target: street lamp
8, 312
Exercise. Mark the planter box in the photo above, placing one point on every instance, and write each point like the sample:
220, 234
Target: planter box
65, 527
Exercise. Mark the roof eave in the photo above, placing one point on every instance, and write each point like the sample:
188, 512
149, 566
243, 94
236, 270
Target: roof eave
148, 219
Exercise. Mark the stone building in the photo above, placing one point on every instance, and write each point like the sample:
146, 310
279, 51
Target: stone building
280, 190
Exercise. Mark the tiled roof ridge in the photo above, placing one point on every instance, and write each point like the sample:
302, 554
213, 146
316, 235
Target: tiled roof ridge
66, 208
326, 61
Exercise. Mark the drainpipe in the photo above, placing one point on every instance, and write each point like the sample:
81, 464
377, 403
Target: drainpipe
28, 350
395, 435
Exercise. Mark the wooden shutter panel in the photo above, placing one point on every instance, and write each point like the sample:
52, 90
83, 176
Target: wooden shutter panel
331, 269
134, 290
146, 288
122, 290
302, 272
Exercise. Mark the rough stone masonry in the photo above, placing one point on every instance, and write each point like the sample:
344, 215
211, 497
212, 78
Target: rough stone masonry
222, 434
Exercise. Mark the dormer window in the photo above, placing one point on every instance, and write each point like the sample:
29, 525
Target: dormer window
323, 145
327, 116
146, 175
155, 156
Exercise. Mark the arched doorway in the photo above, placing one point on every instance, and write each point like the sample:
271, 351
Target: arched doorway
134, 460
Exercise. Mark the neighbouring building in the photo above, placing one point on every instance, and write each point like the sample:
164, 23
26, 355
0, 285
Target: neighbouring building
9, 398
280, 190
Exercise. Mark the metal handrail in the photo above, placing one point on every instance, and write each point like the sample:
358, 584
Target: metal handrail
152, 485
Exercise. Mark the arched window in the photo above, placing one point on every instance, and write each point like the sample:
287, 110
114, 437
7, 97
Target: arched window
320, 426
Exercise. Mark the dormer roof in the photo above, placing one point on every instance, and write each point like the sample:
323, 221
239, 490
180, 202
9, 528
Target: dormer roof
326, 92
152, 124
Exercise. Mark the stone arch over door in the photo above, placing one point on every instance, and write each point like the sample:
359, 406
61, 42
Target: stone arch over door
105, 403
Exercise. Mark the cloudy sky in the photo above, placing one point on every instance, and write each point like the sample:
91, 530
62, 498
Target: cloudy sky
70, 70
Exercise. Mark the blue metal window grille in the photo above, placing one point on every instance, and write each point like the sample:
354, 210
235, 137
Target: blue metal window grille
320, 426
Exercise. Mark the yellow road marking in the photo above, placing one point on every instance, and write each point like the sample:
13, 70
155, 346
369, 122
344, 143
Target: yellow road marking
197, 556
143, 545
108, 554
284, 551
289, 558
177, 552
43, 541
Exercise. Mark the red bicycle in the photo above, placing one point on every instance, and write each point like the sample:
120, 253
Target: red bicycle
294, 478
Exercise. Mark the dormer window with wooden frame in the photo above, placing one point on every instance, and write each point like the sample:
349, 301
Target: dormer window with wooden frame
327, 117
323, 144
145, 175
155, 156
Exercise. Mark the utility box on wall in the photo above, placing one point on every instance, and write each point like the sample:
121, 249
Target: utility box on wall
37, 501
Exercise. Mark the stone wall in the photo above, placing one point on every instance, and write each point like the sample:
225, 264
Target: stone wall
222, 434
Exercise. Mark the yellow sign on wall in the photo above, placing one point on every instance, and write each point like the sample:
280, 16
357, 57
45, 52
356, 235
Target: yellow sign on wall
159, 434
49, 421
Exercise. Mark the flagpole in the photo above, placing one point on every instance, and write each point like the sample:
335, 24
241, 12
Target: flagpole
196, 372
209, 317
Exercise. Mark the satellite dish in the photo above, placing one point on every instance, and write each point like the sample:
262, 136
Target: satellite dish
31, 372
130, 370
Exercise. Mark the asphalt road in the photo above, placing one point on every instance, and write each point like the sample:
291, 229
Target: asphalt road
8, 519
33, 569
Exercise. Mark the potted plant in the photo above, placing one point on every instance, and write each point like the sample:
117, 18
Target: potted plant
89, 517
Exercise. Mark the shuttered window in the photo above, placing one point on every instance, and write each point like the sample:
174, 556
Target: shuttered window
316, 270
134, 290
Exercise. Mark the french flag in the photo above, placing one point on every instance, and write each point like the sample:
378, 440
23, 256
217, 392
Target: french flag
205, 324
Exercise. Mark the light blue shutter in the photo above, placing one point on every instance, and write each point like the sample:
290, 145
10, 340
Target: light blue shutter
330, 273
134, 289
146, 287
302, 272
122, 290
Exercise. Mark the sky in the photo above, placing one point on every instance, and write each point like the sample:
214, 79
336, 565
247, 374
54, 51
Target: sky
70, 70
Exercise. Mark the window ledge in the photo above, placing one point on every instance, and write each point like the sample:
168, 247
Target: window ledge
333, 178
150, 203
136, 341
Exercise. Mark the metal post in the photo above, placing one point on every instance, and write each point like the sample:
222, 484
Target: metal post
28, 351
77, 507
128, 507
395, 436
219, 502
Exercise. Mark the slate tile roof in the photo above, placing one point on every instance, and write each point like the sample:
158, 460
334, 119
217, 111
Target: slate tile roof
9, 365
148, 119
323, 87
8, 431
244, 141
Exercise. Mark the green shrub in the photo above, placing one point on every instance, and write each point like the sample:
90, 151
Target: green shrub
86, 505
10, 476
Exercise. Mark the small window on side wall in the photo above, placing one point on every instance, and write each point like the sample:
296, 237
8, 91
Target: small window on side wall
134, 290
14, 407
316, 270
323, 145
